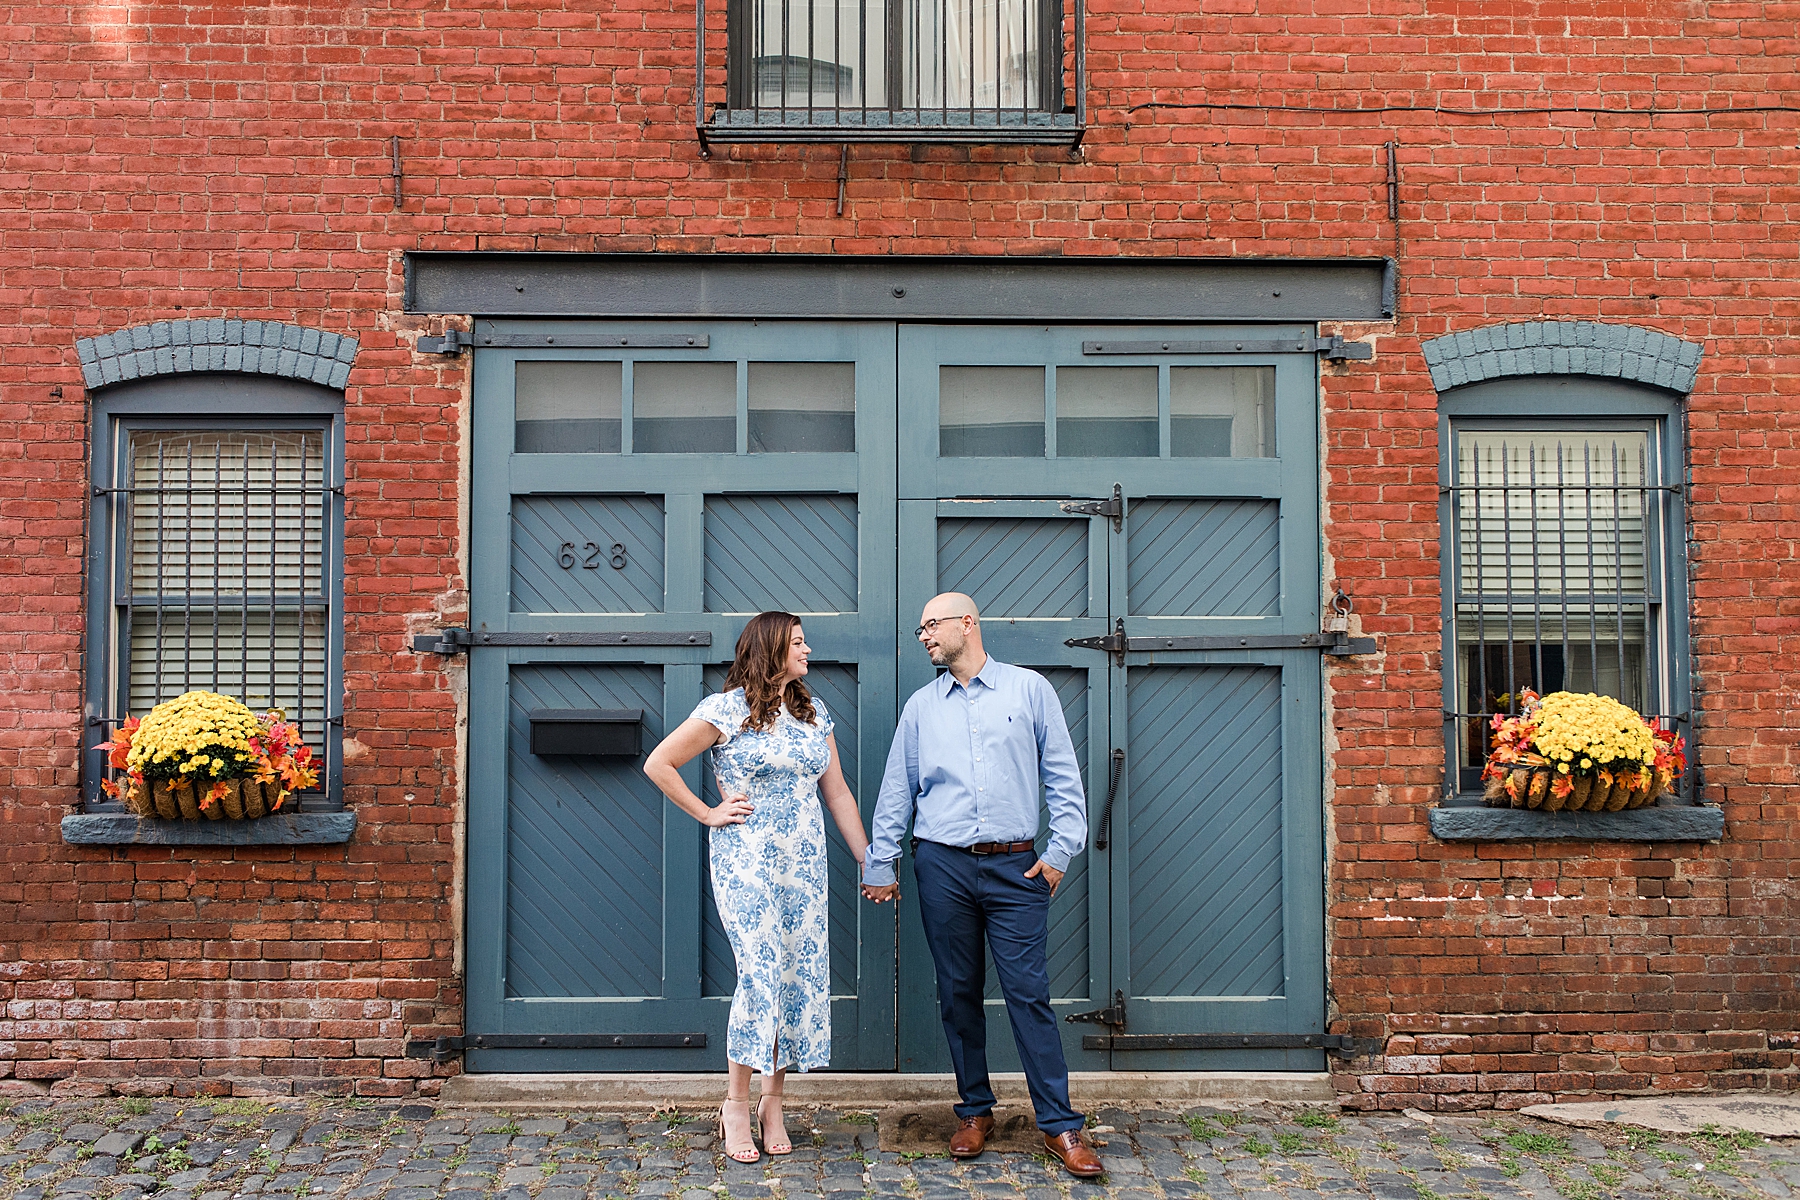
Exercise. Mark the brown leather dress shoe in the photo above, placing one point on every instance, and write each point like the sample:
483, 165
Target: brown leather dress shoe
971, 1136
1077, 1157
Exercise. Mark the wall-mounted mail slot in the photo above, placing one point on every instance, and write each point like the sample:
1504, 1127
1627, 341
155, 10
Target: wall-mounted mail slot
587, 731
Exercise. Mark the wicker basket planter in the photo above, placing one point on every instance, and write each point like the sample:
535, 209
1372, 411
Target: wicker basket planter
1520, 785
203, 756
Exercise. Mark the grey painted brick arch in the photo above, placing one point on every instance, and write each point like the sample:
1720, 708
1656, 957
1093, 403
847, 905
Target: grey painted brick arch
1629, 352
218, 344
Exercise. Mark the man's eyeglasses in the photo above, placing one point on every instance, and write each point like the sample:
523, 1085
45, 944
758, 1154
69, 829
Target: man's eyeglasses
931, 625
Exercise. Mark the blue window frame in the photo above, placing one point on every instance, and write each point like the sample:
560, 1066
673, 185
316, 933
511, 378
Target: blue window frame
215, 557
1564, 568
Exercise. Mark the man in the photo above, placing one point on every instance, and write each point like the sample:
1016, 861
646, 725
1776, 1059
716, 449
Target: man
972, 748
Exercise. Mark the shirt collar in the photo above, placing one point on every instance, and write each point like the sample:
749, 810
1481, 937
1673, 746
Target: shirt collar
988, 676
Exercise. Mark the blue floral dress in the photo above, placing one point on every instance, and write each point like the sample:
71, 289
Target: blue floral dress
768, 880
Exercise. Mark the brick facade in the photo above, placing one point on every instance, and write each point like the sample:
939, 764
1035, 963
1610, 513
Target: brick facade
224, 163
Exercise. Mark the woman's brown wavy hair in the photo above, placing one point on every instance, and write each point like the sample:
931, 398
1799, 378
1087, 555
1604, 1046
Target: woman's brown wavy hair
762, 653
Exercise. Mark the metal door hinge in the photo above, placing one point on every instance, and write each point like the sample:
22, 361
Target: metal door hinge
445, 1048
1339, 1044
1337, 644
1115, 643
444, 641
1114, 508
455, 641
454, 341
1113, 1014
1333, 347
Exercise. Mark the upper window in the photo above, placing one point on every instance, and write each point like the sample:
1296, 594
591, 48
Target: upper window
216, 550
1563, 559
897, 70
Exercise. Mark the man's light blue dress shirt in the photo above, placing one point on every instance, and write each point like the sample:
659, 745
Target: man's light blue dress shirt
970, 761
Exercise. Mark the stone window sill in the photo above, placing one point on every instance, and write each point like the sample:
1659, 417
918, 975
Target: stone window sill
1468, 820
127, 829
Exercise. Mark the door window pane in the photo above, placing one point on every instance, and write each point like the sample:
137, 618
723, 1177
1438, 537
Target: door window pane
566, 408
1222, 412
802, 407
1106, 412
991, 412
684, 408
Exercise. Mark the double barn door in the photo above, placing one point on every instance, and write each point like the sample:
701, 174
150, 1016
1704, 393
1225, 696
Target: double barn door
640, 489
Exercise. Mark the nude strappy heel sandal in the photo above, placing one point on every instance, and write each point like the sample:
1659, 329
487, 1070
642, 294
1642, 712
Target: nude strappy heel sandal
775, 1149
745, 1153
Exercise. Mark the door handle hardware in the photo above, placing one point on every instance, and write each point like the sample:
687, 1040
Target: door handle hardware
1334, 347
445, 1048
1114, 508
455, 641
1104, 833
1337, 644
1339, 1044
1113, 1015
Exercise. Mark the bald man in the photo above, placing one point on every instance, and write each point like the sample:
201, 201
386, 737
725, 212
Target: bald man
972, 750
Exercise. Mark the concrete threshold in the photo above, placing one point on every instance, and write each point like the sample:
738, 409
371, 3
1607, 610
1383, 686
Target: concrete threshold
1088, 1089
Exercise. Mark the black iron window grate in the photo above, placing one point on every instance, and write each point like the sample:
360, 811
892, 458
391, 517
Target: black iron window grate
222, 579
983, 71
1559, 568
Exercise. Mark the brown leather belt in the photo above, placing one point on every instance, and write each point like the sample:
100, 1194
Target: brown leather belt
1000, 847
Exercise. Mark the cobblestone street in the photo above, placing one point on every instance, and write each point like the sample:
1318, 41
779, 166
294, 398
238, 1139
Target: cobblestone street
220, 1150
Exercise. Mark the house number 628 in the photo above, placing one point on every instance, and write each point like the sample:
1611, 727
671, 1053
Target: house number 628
590, 554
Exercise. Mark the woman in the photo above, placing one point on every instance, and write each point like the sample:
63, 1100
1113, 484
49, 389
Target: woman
774, 756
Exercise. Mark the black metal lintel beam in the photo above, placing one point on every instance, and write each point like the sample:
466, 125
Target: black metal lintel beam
886, 288
1336, 1042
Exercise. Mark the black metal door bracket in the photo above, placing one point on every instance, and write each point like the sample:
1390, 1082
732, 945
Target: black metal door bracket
1114, 508
1334, 1043
1113, 1015
1333, 347
1336, 644
445, 1048
455, 641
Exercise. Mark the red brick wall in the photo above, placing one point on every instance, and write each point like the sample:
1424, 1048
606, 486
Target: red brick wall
165, 161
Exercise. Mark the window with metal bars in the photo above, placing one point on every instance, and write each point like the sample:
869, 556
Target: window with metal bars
1563, 565
217, 547
895, 70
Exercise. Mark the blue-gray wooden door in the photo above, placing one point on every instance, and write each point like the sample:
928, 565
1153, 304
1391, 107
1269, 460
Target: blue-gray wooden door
649, 478
1205, 908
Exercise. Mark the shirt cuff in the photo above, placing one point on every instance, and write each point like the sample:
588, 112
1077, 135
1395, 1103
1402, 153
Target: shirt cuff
1055, 858
879, 874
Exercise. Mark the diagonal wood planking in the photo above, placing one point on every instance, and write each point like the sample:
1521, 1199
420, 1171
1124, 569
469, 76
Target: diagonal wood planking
541, 524
1206, 826
1204, 558
1016, 567
584, 845
793, 553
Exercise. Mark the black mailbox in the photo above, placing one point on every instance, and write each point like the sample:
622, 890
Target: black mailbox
587, 731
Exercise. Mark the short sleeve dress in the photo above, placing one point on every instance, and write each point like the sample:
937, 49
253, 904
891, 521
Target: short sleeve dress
769, 883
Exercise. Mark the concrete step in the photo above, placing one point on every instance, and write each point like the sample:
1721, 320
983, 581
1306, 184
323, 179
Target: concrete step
1088, 1090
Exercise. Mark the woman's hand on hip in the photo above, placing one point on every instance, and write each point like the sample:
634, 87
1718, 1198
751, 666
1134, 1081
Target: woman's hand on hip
733, 810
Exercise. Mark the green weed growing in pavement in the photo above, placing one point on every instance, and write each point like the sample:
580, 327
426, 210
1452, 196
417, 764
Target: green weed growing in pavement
1386, 1145
511, 1127
1255, 1145
1539, 1145
1642, 1139
1290, 1143
1230, 1120
857, 1118
1195, 1174
1606, 1173
177, 1160
1203, 1129
1317, 1118
1577, 1189
137, 1106
153, 1145
1437, 1139
1670, 1156
1510, 1165
263, 1160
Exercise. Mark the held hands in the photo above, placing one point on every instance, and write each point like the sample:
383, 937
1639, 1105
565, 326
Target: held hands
881, 895
733, 810
1051, 875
